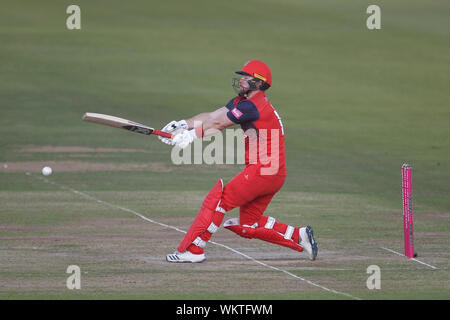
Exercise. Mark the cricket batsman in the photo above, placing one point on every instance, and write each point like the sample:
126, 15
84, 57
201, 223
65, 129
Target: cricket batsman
252, 189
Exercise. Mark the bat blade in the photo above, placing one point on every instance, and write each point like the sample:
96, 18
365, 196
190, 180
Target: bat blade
117, 122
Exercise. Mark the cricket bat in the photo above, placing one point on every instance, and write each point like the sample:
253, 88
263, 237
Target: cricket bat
117, 122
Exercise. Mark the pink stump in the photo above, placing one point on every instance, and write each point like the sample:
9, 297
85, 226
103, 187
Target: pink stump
407, 211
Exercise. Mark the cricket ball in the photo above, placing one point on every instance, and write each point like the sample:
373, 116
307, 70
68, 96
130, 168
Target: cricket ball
46, 171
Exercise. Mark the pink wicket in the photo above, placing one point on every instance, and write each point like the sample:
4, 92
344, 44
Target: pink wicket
407, 211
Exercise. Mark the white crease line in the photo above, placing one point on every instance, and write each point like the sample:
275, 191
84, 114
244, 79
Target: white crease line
398, 253
284, 271
182, 231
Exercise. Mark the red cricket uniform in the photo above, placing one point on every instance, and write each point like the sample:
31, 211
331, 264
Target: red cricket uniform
265, 167
253, 188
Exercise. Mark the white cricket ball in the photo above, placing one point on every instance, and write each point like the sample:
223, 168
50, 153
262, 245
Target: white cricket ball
46, 171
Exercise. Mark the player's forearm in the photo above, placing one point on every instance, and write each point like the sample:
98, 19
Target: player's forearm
205, 124
196, 120
217, 121
213, 125
209, 123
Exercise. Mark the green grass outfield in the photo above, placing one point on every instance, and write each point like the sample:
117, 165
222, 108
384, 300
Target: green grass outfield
356, 104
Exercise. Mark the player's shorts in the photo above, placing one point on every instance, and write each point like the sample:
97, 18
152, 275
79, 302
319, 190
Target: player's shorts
251, 192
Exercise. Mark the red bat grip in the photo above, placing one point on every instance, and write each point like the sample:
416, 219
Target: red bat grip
162, 134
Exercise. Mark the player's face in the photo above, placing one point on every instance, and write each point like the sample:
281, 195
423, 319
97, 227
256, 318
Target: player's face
243, 83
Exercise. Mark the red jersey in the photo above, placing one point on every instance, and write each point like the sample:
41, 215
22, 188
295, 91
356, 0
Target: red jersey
263, 130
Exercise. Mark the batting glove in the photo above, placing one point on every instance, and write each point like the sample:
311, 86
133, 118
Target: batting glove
171, 127
184, 138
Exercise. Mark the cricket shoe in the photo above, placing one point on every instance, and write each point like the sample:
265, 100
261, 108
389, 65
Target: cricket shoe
185, 256
306, 240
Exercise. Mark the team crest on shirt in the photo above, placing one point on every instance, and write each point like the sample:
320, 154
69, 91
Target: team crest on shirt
236, 113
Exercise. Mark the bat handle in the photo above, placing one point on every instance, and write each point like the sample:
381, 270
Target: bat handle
162, 134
